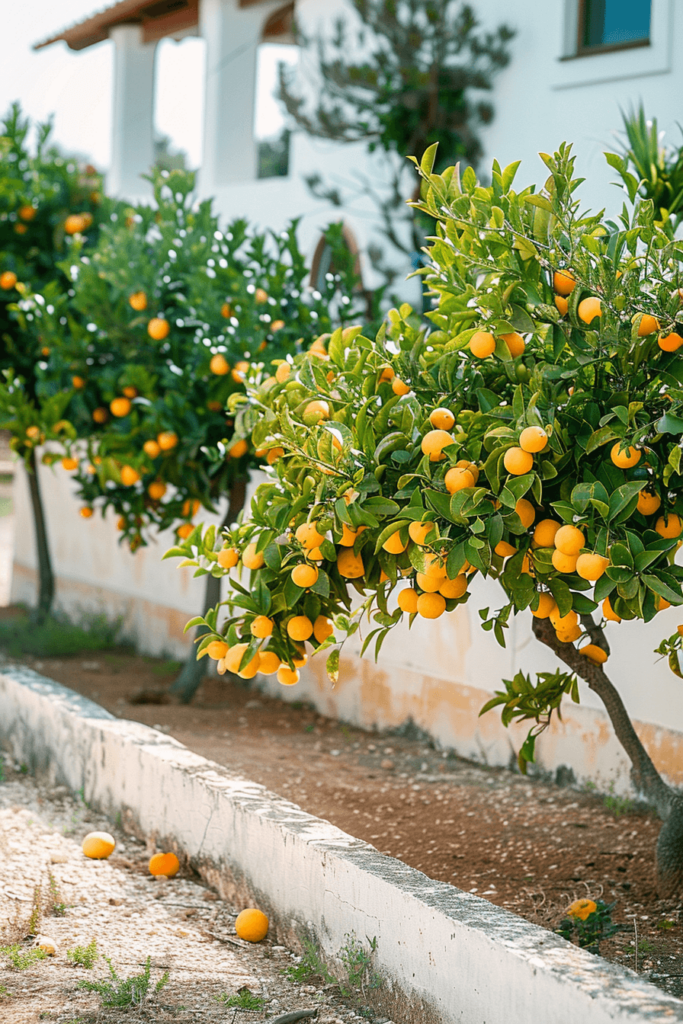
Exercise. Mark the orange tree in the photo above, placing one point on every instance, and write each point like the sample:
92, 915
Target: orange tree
45, 199
166, 316
531, 434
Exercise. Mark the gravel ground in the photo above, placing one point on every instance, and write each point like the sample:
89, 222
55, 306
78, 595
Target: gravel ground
182, 926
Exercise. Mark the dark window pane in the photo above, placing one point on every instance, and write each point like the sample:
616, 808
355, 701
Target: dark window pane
611, 22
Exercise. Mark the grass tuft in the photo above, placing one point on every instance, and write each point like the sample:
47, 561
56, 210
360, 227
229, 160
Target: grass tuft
83, 956
244, 1000
57, 636
125, 991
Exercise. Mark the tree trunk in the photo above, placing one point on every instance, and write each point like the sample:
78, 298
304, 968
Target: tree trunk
192, 672
46, 579
667, 802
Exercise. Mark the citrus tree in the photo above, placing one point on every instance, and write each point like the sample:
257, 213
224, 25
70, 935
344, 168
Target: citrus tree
166, 316
46, 199
531, 433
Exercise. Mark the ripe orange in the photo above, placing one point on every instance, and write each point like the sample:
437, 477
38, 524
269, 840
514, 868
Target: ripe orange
74, 224
648, 325
191, 506
300, 659
238, 449
164, 864
277, 325
262, 627
569, 540
322, 628
563, 622
68, 463
269, 663
314, 412
648, 503
433, 567
668, 527
226, 310
300, 627
158, 328
251, 925
526, 512
544, 534
624, 458
456, 479
27, 212
430, 584
533, 439
561, 304
407, 600
219, 365
399, 387
121, 523
567, 636
418, 532
350, 565
589, 309
441, 419
233, 657
517, 461
152, 449
394, 545
564, 282
308, 535
217, 649
348, 537
129, 476
452, 589
20, 229
591, 566
261, 296
98, 845
283, 373
434, 442
564, 563
431, 606
86, 511
184, 530
138, 301
288, 676
504, 549
251, 559
156, 490
78, 383
120, 407
33, 433
594, 654
472, 466
515, 342
670, 342
228, 557
387, 374
482, 344
8, 279
100, 415
546, 605
609, 612
304, 575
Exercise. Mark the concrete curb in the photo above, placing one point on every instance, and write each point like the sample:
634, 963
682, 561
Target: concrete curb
447, 957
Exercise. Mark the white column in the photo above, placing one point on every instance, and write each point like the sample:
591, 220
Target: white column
133, 122
232, 36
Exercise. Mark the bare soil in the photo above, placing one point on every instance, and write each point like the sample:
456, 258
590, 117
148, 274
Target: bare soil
523, 843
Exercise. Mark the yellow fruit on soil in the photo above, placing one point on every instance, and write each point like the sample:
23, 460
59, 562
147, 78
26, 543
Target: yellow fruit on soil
564, 282
164, 864
217, 649
418, 532
431, 606
167, 440
442, 419
589, 309
251, 559
394, 545
219, 365
515, 342
407, 600
591, 566
283, 373
504, 549
533, 439
304, 575
668, 528
288, 676
251, 925
430, 584
434, 442
138, 301
46, 944
546, 605
564, 563
98, 845
158, 328
228, 558
269, 663
648, 325
648, 503
399, 387
300, 627
670, 343
594, 654
452, 589
457, 479
316, 411
582, 909
569, 540
152, 449
624, 458
561, 304
262, 627
482, 344
350, 565
526, 512
609, 612
545, 532
8, 280
517, 461
308, 535
322, 628
78, 383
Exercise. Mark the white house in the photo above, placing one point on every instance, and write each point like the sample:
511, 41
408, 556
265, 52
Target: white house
575, 64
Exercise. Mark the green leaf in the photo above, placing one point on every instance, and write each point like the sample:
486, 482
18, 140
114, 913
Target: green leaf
669, 424
623, 496
333, 666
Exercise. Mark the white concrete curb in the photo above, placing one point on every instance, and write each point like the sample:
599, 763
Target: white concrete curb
447, 957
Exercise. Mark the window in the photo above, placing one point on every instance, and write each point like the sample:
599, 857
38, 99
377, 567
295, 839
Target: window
613, 24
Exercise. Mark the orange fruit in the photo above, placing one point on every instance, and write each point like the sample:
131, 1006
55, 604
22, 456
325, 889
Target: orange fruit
564, 282
157, 489
624, 458
227, 558
452, 589
591, 566
668, 528
233, 657
152, 449
434, 442
217, 649
300, 659
515, 342
262, 627
100, 415
138, 301
322, 628
609, 612
399, 387
504, 549
251, 925
564, 563
304, 575
8, 279
78, 383
130, 392
33, 433
407, 600
185, 530
238, 448
418, 532
589, 309
219, 365
315, 412
546, 605
569, 540
350, 565
98, 845
120, 407
74, 224
288, 676
86, 511
670, 342
430, 584
434, 568
269, 663
457, 479
276, 325
251, 559
387, 374
300, 627
68, 463
191, 506
567, 636
594, 653
472, 466
27, 212
348, 537
158, 328
648, 325
164, 864
517, 461
20, 229
482, 344
166, 440
273, 455
261, 296
129, 476
431, 606
563, 622
394, 545
308, 535
226, 310
526, 512
544, 534
283, 373
121, 523
533, 439
561, 304
441, 419
648, 503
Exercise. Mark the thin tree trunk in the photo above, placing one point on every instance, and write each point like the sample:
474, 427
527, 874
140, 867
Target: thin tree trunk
46, 579
193, 671
667, 802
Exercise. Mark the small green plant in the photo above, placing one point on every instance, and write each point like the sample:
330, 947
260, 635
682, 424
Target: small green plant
244, 1000
57, 636
590, 921
666, 925
310, 966
125, 991
83, 956
4, 992
617, 805
36, 910
645, 946
21, 959
57, 907
358, 964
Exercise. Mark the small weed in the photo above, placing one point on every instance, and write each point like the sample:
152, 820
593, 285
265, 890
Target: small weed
21, 959
244, 1000
57, 907
645, 946
36, 910
124, 991
57, 636
617, 805
83, 956
309, 728
666, 925
4, 992
310, 966
23, 768
358, 963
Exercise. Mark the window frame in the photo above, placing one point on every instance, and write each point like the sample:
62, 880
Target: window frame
586, 51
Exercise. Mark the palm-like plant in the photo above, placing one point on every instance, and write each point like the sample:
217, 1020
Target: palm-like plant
659, 168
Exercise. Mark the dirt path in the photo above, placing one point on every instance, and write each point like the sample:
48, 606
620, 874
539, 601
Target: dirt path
524, 844
182, 926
